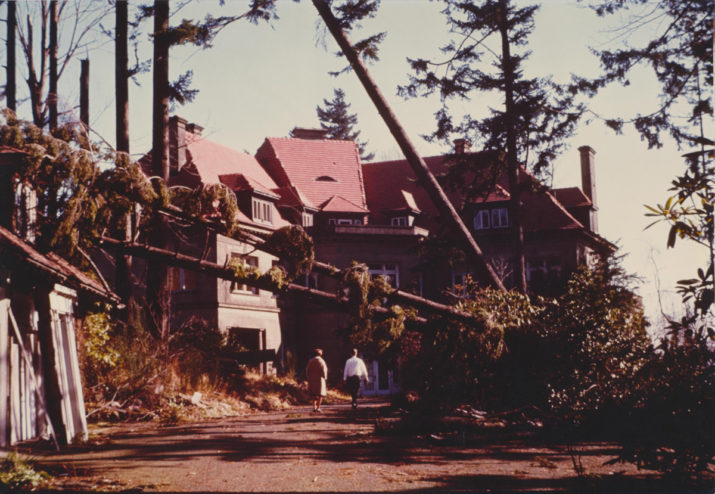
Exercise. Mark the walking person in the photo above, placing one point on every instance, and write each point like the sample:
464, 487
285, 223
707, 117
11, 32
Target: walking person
317, 372
355, 370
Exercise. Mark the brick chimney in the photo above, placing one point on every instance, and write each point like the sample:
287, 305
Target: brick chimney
177, 144
303, 133
588, 183
462, 145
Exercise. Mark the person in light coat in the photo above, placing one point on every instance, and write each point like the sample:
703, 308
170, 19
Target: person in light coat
317, 372
355, 370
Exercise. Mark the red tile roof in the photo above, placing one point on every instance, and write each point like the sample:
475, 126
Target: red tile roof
213, 160
572, 197
337, 204
208, 162
318, 168
290, 196
541, 211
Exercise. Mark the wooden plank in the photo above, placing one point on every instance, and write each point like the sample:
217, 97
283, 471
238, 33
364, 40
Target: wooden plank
14, 392
35, 384
4, 373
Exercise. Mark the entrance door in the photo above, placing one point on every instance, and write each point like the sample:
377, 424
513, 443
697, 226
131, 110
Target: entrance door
384, 380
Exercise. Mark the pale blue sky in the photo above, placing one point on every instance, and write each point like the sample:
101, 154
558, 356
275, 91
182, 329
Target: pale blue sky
261, 81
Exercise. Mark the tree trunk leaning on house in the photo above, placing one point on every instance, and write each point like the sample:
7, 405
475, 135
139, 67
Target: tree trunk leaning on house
158, 283
425, 176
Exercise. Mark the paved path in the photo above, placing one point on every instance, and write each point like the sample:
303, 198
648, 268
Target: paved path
299, 451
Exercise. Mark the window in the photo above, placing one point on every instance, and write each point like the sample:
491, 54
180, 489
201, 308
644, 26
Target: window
262, 211
310, 280
344, 221
399, 221
481, 220
251, 261
500, 218
459, 286
325, 178
542, 270
390, 272
183, 280
307, 219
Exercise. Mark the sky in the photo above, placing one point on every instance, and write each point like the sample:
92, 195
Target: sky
263, 80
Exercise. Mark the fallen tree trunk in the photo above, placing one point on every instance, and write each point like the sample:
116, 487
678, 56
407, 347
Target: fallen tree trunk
223, 272
258, 242
425, 176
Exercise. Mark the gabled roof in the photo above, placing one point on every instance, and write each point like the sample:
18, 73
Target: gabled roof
52, 265
319, 168
337, 204
212, 160
208, 162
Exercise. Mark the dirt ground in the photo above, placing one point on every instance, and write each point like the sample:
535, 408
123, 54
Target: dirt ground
301, 451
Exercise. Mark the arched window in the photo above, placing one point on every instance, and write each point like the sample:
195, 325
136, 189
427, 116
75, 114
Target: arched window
325, 178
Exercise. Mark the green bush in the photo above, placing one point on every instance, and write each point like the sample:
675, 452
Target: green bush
19, 474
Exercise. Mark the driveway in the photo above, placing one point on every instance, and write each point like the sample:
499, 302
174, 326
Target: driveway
301, 451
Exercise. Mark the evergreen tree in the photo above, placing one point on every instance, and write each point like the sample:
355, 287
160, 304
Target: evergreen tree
485, 55
340, 124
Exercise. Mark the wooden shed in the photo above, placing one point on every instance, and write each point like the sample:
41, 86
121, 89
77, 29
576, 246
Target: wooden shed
40, 381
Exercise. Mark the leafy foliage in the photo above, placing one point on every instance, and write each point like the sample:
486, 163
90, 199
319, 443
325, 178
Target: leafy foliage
294, 248
597, 335
667, 424
17, 473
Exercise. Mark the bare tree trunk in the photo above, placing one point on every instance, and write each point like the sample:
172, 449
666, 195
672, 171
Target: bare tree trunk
84, 94
121, 76
158, 284
121, 82
425, 176
52, 96
517, 229
11, 87
36, 76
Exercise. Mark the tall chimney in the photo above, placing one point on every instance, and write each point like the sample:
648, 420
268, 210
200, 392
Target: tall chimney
177, 144
588, 183
462, 145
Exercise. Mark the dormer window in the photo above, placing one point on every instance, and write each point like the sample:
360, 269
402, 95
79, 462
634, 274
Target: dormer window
325, 178
491, 218
400, 221
500, 218
481, 220
262, 211
307, 219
